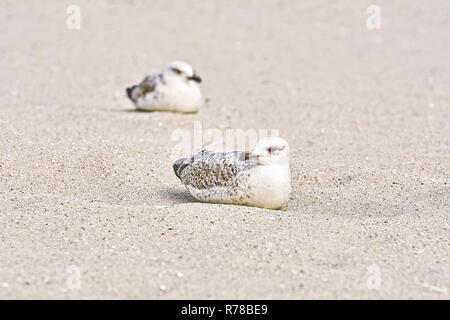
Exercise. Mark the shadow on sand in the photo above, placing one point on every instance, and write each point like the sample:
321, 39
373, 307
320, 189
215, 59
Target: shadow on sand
178, 196
133, 110
150, 111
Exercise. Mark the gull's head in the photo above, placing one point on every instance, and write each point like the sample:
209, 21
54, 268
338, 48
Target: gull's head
272, 150
180, 71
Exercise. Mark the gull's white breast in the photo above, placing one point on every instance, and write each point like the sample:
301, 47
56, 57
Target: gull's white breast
182, 96
269, 186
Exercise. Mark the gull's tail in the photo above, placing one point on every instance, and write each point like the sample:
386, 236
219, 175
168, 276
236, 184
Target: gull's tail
130, 92
178, 166
147, 85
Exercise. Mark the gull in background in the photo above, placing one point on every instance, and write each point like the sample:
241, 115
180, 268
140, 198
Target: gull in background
175, 89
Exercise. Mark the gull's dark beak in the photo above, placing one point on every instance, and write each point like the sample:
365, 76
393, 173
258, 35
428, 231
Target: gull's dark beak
195, 78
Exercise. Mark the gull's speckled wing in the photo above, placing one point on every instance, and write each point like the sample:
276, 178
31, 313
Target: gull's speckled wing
147, 85
207, 170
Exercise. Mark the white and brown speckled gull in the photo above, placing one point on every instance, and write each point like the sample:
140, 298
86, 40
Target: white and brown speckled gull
175, 89
260, 178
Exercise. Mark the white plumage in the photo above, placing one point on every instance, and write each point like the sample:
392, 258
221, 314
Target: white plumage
175, 89
260, 178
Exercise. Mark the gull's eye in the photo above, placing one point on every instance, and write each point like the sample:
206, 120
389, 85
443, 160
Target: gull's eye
271, 150
177, 71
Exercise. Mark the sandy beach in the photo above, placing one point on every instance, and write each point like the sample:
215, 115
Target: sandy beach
90, 207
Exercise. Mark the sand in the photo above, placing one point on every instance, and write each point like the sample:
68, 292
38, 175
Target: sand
87, 185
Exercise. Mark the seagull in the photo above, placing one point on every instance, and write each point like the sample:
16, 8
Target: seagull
175, 89
260, 178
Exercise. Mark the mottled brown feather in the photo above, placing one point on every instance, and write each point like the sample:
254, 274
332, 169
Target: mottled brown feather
207, 169
146, 86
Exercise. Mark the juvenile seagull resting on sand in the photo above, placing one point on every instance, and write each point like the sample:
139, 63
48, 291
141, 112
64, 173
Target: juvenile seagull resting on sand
175, 89
260, 178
